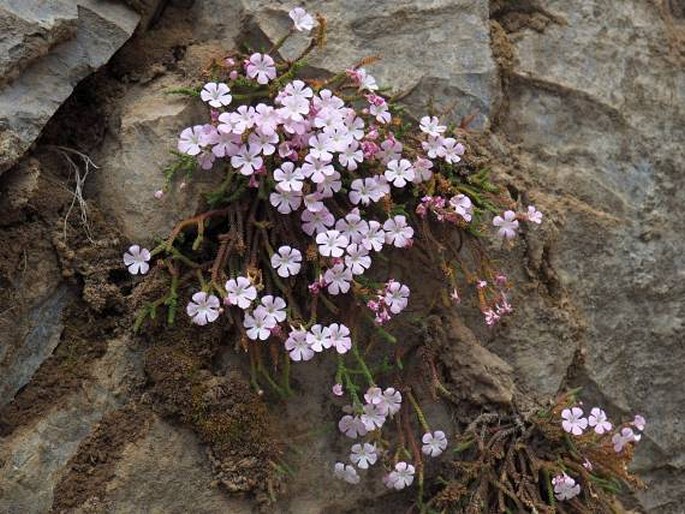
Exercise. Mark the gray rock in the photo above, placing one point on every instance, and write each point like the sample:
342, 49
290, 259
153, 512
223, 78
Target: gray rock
437, 50
596, 106
49, 49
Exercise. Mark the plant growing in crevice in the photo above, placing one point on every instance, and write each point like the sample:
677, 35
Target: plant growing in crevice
323, 182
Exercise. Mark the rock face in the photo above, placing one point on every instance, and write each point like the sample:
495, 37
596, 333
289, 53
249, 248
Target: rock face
46, 48
595, 105
583, 111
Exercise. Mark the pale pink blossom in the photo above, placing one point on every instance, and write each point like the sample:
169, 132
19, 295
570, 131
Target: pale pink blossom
247, 160
297, 346
434, 443
451, 150
352, 426
373, 417
287, 261
285, 201
346, 472
216, 95
190, 142
319, 338
339, 337
573, 420
639, 422
261, 67
399, 172
565, 488
508, 225
338, 279
357, 259
622, 438
463, 206
396, 296
258, 325
240, 292
136, 260
274, 308
598, 420
302, 20
204, 308
315, 222
402, 476
363, 455
533, 215
431, 126
337, 389
398, 232
332, 243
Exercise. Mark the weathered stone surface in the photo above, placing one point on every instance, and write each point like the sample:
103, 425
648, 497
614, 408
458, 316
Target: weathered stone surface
595, 104
33, 457
83, 35
436, 50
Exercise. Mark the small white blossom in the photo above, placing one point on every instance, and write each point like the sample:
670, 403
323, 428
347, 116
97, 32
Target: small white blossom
136, 259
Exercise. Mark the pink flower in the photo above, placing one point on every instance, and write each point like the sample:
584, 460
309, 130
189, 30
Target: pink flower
216, 95
338, 279
598, 419
451, 150
398, 232
434, 443
240, 292
508, 225
346, 472
319, 338
339, 336
247, 159
298, 347
491, 317
287, 261
402, 476
639, 423
285, 201
261, 67
533, 215
332, 243
565, 488
625, 436
573, 420
136, 260
352, 426
462, 206
337, 390
302, 20
431, 125
204, 308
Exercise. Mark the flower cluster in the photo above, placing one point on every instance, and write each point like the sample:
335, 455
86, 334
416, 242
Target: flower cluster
574, 421
321, 180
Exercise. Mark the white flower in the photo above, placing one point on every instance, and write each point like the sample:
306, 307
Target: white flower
357, 259
261, 67
247, 160
399, 172
190, 140
565, 488
431, 126
346, 472
396, 296
332, 243
373, 417
338, 279
451, 150
339, 337
366, 80
353, 226
302, 20
287, 261
598, 419
434, 444
367, 190
274, 307
289, 177
375, 237
319, 338
241, 292
203, 308
402, 476
573, 420
398, 232
364, 455
285, 201
258, 325
352, 426
533, 215
136, 259
263, 143
297, 345
433, 146
625, 436
216, 95
318, 221
508, 225
463, 206
389, 402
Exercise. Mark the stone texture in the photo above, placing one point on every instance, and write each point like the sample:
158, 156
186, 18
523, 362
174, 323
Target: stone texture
595, 105
51, 46
438, 49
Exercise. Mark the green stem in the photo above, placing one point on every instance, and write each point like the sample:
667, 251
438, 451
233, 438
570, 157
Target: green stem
362, 364
419, 412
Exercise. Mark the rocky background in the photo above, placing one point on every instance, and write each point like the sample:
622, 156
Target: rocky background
579, 108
